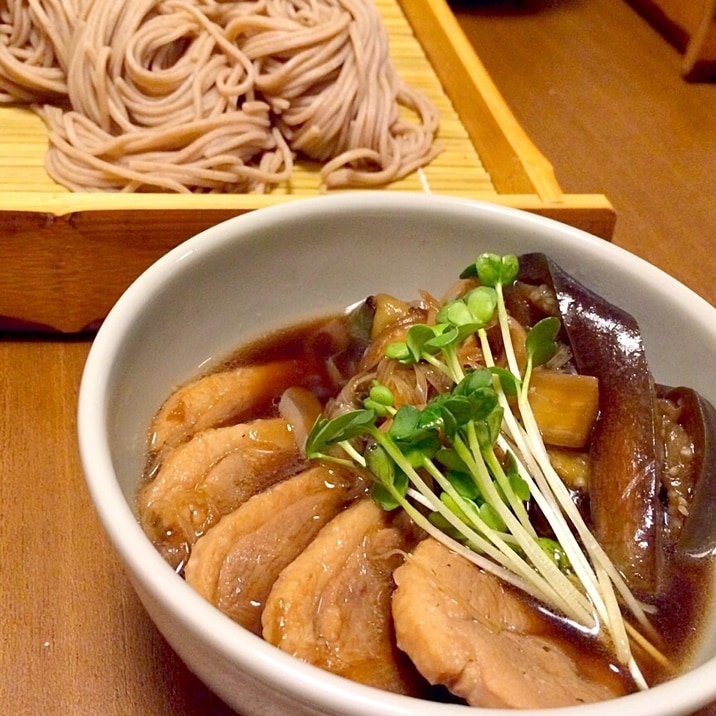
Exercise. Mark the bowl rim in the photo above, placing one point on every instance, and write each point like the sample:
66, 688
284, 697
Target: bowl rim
250, 652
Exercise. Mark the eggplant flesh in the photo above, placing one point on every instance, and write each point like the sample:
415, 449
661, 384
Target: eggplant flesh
697, 537
626, 452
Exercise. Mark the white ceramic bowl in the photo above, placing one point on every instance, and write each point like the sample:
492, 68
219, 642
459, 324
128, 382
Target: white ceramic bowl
267, 268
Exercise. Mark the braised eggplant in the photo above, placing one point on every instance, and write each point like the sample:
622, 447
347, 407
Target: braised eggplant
628, 484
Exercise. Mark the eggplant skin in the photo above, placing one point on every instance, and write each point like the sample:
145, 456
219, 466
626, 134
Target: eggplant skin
626, 465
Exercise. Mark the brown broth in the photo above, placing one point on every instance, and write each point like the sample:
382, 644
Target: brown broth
682, 606
683, 609
316, 342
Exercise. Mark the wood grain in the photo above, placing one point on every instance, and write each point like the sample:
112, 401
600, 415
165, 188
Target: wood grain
600, 92
75, 638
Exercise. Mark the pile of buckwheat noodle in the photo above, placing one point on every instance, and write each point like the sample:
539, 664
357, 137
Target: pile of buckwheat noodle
210, 95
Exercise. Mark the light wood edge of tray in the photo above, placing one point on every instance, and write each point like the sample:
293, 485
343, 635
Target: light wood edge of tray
510, 157
64, 273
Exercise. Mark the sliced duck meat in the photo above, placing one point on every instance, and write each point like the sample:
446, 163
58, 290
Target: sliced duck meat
218, 399
235, 564
467, 630
211, 475
331, 606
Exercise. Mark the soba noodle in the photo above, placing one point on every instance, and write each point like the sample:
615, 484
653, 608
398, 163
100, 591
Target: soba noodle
34, 38
212, 95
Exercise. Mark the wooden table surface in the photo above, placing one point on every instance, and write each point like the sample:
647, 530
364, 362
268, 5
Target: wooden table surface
75, 639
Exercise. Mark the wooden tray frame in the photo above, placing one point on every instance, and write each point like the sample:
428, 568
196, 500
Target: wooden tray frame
65, 258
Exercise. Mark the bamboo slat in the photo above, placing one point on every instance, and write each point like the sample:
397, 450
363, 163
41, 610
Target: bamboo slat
66, 257
23, 136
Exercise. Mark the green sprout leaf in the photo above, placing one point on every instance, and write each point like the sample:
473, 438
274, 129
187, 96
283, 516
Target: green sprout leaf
444, 335
381, 394
519, 486
555, 552
405, 422
456, 409
436, 519
380, 399
391, 482
464, 484
541, 344
456, 313
448, 458
380, 464
489, 429
399, 351
491, 517
481, 303
509, 382
417, 338
420, 447
466, 509
474, 380
494, 270
345, 427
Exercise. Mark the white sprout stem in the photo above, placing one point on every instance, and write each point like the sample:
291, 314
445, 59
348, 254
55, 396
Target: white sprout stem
554, 483
549, 503
488, 565
418, 496
515, 503
553, 493
594, 549
618, 628
545, 499
495, 536
573, 602
603, 596
646, 645
618, 623
613, 622
501, 552
504, 322
352, 452
442, 367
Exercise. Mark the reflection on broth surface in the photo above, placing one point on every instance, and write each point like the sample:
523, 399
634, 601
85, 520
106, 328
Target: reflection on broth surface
423, 496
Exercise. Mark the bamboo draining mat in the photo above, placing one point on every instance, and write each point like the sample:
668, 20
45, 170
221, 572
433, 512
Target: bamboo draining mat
66, 257
23, 137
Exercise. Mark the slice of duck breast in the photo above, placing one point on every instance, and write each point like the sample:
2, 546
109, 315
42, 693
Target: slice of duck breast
211, 475
217, 399
467, 630
235, 564
331, 606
